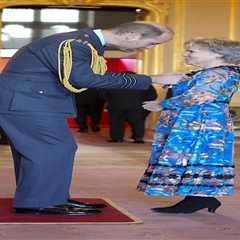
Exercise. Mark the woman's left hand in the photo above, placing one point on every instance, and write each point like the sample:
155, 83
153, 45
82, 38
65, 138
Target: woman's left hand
152, 106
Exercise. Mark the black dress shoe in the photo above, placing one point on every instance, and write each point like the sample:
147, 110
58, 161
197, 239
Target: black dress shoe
138, 141
61, 210
115, 141
96, 129
83, 130
76, 204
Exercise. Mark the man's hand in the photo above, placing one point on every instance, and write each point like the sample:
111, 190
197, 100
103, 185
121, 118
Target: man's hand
167, 79
152, 106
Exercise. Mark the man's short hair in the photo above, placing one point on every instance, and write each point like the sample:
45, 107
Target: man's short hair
147, 30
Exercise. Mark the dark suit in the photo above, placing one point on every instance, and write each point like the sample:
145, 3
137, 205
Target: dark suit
126, 105
33, 109
89, 103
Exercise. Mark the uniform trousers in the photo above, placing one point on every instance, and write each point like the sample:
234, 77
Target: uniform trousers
43, 150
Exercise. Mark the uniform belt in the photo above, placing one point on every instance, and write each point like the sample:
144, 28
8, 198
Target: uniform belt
27, 84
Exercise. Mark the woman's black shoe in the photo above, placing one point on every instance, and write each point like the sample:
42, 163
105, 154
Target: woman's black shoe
191, 204
177, 208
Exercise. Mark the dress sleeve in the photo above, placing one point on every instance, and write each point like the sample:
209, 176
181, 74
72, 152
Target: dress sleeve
207, 81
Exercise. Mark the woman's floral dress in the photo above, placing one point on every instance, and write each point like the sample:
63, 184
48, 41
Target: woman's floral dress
192, 152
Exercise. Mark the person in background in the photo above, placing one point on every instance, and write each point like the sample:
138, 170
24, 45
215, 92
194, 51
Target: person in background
192, 152
126, 106
89, 103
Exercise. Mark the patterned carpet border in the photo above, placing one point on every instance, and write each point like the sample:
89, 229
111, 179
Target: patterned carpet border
112, 214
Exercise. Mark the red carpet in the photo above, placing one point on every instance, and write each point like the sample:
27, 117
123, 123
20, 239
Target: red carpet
110, 214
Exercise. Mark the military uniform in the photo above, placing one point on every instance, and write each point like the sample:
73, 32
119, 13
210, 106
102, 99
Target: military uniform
33, 110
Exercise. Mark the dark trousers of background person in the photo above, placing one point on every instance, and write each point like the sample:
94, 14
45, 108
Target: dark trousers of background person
89, 103
134, 136
3, 137
94, 111
117, 119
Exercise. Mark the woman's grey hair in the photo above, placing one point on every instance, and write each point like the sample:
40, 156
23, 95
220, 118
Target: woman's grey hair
228, 49
147, 30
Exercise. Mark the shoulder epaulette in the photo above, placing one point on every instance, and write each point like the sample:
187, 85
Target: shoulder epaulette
98, 63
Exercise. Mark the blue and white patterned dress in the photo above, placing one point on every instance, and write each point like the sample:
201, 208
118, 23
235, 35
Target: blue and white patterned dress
192, 152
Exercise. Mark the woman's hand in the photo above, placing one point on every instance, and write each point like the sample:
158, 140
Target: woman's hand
152, 106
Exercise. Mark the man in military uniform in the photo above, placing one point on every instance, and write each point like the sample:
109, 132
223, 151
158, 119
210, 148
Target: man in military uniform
36, 97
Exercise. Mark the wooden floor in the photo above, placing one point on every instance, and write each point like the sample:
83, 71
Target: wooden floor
111, 170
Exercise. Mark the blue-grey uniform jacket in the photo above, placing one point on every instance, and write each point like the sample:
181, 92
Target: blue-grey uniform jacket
29, 83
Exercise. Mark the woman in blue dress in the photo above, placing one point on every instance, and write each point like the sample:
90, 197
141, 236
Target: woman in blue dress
192, 152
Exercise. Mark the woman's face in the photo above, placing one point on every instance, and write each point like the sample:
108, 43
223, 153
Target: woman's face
201, 57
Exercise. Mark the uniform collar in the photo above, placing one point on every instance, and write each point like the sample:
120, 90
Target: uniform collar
89, 35
99, 34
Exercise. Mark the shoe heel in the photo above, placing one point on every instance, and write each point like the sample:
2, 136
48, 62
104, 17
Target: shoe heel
213, 209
